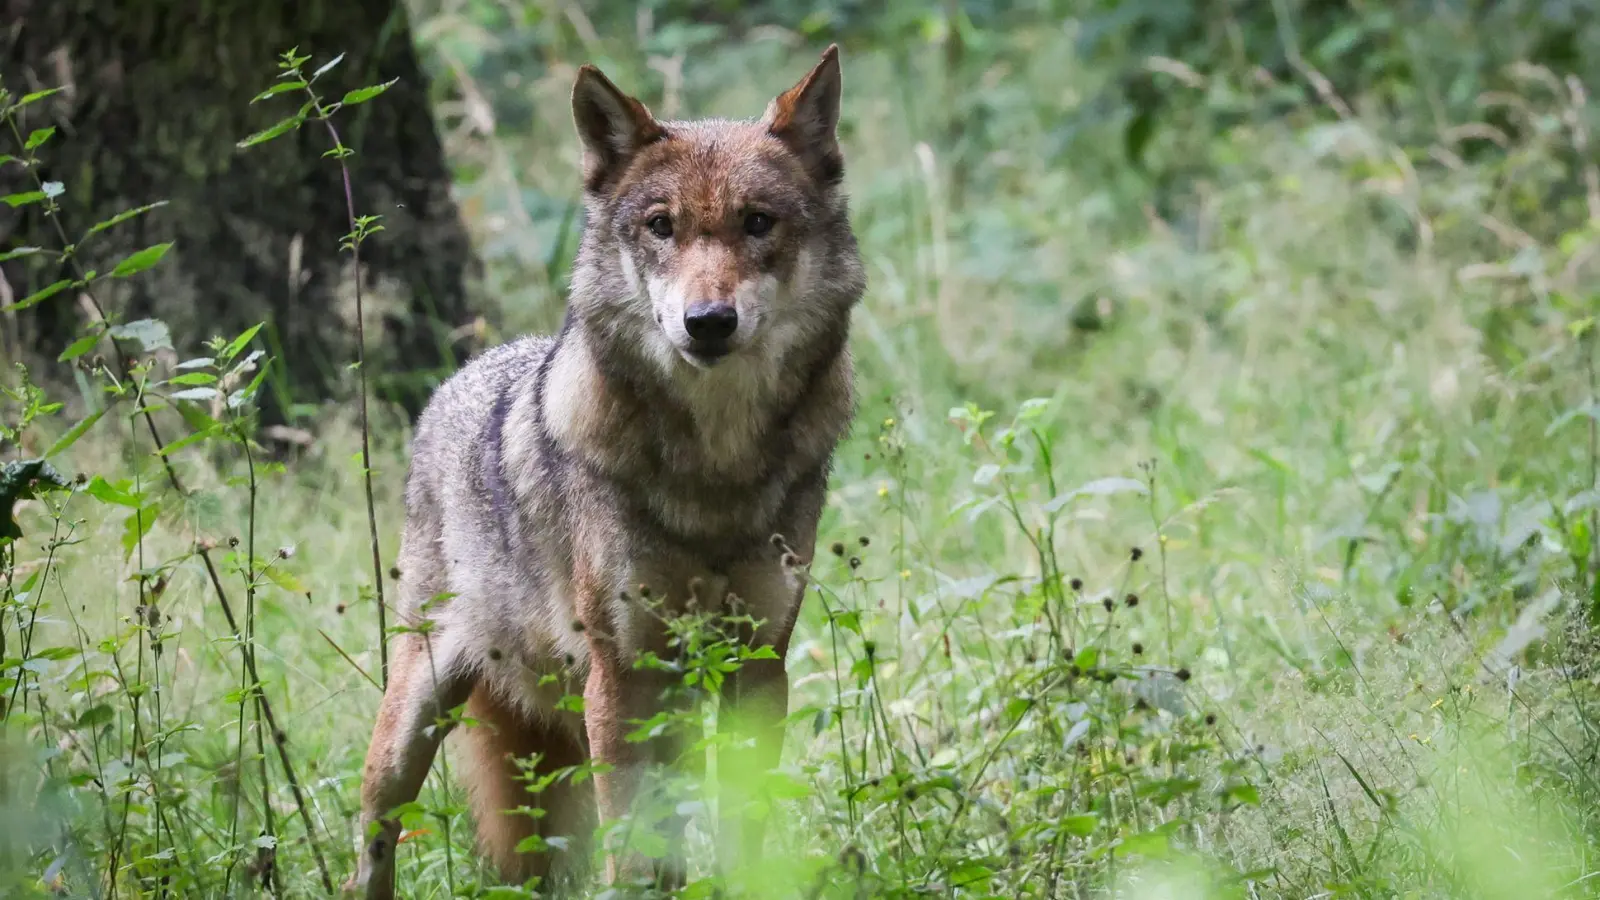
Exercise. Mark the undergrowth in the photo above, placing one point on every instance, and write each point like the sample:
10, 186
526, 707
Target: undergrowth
1247, 552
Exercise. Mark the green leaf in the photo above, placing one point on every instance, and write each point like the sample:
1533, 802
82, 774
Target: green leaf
191, 439
1081, 825
136, 526
193, 378
24, 198
141, 260
38, 137
19, 252
150, 334
1086, 658
276, 131
41, 295
285, 580
240, 342
22, 480
95, 716
34, 97
282, 87
327, 67
121, 217
1243, 793
971, 876
79, 347
362, 95
106, 492
73, 433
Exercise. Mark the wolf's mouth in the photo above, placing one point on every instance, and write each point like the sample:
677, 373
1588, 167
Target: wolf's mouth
704, 355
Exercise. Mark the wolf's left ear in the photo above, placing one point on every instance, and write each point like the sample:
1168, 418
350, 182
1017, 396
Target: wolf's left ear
806, 117
612, 125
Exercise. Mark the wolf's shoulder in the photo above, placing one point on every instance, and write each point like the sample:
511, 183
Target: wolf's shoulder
460, 407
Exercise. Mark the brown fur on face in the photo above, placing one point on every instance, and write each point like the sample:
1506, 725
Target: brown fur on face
716, 211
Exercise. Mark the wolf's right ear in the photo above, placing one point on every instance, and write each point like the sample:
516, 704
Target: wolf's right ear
612, 125
806, 118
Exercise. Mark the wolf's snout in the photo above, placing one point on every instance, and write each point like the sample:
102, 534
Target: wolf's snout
710, 324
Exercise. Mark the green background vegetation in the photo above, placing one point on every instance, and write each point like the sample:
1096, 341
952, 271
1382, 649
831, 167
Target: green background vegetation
1219, 519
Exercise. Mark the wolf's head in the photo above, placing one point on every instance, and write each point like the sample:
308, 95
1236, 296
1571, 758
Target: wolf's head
711, 240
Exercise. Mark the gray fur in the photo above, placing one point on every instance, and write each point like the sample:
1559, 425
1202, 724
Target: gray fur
551, 477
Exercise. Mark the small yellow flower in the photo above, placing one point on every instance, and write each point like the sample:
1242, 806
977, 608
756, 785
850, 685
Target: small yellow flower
889, 422
1162, 539
905, 573
883, 490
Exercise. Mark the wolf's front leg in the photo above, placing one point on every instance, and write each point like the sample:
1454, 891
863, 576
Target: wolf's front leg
423, 686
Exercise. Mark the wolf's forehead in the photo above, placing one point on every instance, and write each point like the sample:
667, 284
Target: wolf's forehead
713, 169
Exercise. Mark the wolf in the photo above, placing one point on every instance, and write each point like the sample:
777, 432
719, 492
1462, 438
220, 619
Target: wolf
672, 441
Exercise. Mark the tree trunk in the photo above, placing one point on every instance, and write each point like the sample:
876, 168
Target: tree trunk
156, 95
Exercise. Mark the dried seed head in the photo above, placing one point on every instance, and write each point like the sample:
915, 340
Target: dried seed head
1138, 648
837, 548
233, 542
855, 562
339, 609
1136, 554
494, 654
1076, 584
864, 541
577, 626
644, 591
394, 573
1211, 718
1184, 674
1131, 600
1108, 604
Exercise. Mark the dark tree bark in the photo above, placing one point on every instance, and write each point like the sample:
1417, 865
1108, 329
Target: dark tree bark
156, 95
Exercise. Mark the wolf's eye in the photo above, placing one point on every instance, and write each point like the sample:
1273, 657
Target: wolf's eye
659, 225
756, 224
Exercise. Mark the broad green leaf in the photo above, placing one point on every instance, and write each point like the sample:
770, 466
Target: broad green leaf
73, 433
19, 252
136, 526
187, 441
79, 347
194, 393
121, 217
141, 260
41, 295
34, 97
1081, 825
282, 87
24, 198
276, 131
150, 334
240, 342
362, 95
193, 378
327, 67
38, 137
106, 492
285, 580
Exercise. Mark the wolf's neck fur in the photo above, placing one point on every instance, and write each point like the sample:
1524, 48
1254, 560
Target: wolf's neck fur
633, 416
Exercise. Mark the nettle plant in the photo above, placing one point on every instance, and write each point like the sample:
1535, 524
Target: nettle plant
1031, 756
137, 796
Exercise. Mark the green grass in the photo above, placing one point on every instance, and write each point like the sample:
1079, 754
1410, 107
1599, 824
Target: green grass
1318, 422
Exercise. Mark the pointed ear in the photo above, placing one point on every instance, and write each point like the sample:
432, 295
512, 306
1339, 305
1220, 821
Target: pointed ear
806, 116
612, 125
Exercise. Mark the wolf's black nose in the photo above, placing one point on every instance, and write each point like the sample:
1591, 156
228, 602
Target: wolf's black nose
711, 322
